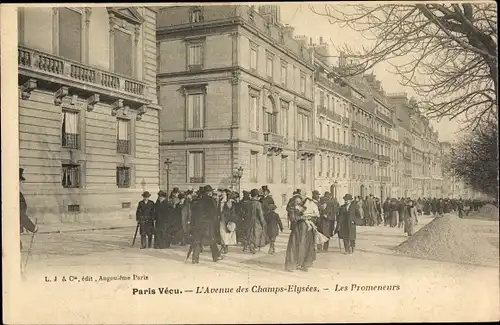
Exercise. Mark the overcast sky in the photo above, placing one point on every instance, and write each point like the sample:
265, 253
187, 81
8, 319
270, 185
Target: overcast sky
307, 23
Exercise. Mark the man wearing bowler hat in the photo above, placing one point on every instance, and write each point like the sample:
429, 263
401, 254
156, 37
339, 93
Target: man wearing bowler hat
145, 217
204, 225
24, 221
346, 226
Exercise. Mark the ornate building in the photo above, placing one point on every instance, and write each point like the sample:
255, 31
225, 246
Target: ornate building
88, 113
237, 91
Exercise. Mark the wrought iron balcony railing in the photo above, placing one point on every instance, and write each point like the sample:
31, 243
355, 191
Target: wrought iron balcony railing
70, 140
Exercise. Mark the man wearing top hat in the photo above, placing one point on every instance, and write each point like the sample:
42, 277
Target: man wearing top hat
145, 217
266, 200
162, 213
204, 224
346, 226
24, 221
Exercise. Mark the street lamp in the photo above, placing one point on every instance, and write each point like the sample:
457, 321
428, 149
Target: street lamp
335, 189
238, 174
167, 164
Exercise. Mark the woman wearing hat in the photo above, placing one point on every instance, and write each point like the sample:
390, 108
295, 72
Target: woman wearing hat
228, 218
410, 218
301, 250
144, 215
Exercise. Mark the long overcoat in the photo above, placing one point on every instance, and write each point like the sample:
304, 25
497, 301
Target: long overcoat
144, 215
255, 224
162, 214
204, 221
347, 221
24, 220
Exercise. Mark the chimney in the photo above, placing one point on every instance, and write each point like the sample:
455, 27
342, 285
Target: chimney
288, 30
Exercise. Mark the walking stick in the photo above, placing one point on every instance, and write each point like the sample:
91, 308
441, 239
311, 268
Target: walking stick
135, 235
31, 245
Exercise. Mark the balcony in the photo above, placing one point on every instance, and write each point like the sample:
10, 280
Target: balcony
70, 141
386, 179
344, 91
195, 134
363, 153
306, 148
360, 127
322, 110
83, 80
384, 158
384, 117
274, 142
197, 180
123, 146
407, 155
369, 106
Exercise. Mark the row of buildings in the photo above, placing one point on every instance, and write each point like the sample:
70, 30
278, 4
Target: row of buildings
227, 94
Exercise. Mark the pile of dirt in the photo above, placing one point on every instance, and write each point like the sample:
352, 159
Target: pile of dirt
487, 212
449, 238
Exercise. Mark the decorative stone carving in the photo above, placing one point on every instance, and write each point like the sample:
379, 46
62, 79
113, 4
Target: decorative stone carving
235, 79
60, 94
116, 106
142, 110
27, 88
91, 101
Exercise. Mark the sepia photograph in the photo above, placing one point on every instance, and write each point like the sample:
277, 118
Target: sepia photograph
321, 162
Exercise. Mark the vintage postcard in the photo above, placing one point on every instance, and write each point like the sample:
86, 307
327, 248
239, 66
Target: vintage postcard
324, 162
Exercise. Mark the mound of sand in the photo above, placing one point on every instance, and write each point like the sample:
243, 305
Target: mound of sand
490, 211
449, 238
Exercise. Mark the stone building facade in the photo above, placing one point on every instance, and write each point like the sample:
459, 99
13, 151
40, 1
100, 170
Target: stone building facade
237, 91
88, 110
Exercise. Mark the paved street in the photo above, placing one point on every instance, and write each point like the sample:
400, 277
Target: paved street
429, 288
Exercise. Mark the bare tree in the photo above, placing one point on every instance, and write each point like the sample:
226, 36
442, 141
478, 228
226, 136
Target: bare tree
474, 159
447, 53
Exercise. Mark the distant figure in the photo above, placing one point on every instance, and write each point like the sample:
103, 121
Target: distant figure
410, 218
274, 227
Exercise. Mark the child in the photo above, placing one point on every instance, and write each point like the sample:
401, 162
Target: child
273, 223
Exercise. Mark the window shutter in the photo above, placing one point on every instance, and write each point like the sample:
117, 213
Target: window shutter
70, 34
123, 53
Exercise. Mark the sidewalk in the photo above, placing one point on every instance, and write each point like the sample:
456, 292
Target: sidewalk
53, 228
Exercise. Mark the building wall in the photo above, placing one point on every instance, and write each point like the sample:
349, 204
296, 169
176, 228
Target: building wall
40, 123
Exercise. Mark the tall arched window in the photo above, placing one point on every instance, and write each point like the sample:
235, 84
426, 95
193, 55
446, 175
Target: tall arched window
271, 115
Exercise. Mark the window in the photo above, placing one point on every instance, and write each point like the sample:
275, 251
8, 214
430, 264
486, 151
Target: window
333, 167
70, 176
253, 58
338, 166
196, 111
271, 125
195, 56
70, 34
254, 111
196, 167
320, 130
284, 73
123, 52
253, 166
320, 165
321, 99
123, 136
69, 130
302, 84
284, 118
303, 127
284, 169
269, 169
345, 137
329, 165
303, 170
269, 66
195, 16
123, 177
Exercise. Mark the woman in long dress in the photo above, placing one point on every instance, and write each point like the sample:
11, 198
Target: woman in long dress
410, 218
393, 213
300, 251
228, 218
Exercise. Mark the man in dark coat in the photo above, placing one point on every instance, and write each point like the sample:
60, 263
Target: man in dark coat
266, 200
24, 221
204, 225
386, 209
162, 213
144, 215
256, 236
346, 227
326, 221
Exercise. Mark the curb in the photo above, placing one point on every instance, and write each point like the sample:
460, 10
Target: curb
83, 230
